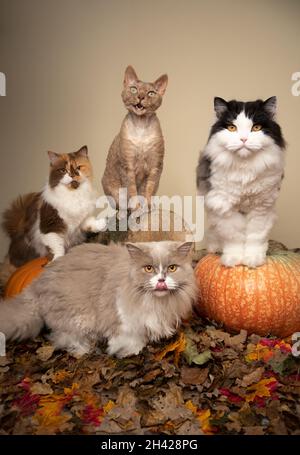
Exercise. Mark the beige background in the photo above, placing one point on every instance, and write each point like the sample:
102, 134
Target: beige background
64, 61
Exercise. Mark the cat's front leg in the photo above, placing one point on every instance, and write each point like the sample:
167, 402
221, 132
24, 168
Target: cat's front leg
230, 231
93, 224
55, 244
259, 225
126, 344
73, 343
152, 184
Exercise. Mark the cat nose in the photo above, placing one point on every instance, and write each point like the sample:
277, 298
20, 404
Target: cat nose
161, 280
243, 139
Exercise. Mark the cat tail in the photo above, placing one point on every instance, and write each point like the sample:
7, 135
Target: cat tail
19, 214
20, 317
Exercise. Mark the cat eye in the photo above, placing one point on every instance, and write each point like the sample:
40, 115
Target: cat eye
172, 268
149, 268
133, 90
231, 128
256, 127
78, 168
151, 93
62, 170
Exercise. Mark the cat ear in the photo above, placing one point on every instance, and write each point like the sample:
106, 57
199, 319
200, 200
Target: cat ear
53, 157
185, 248
161, 84
83, 151
130, 76
270, 106
134, 251
220, 106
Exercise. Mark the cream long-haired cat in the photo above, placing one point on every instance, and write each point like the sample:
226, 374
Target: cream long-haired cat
53, 220
240, 173
129, 294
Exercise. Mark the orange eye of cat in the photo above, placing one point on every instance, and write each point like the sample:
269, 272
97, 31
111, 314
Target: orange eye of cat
231, 128
78, 168
256, 127
151, 93
149, 268
172, 268
133, 90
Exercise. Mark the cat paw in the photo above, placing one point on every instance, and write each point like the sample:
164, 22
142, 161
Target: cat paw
231, 259
95, 225
123, 346
75, 347
100, 224
254, 259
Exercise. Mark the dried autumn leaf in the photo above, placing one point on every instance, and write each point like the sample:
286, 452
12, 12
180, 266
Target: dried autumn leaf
177, 346
39, 388
252, 377
60, 375
194, 375
262, 389
192, 355
203, 416
254, 430
44, 353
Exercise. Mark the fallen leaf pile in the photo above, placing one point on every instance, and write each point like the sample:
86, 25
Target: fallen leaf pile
202, 381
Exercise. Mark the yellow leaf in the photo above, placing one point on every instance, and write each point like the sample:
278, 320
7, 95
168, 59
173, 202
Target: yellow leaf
70, 391
203, 416
259, 353
259, 390
191, 407
109, 405
60, 376
50, 408
178, 346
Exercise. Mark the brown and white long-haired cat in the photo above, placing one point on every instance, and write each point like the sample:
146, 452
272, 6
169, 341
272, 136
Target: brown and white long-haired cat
53, 220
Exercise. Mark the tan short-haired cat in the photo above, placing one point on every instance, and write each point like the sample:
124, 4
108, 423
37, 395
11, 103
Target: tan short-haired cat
51, 221
135, 158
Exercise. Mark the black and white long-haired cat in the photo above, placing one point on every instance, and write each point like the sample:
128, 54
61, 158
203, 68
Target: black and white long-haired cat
240, 173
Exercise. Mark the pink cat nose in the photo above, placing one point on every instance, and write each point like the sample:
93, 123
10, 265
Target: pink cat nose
243, 139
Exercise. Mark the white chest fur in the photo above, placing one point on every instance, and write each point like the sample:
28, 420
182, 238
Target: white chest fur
146, 318
73, 206
238, 176
141, 132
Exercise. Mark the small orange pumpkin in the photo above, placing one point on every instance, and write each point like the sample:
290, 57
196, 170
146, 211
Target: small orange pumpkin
265, 300
23, 276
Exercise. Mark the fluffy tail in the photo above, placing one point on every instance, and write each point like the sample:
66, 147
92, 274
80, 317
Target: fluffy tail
19, 317
16, 217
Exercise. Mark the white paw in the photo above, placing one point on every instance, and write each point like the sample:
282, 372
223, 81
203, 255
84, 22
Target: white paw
117, 347
231, 259
100, 224
254, 259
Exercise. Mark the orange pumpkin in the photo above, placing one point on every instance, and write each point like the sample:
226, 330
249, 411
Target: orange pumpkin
23, 276
265, 300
